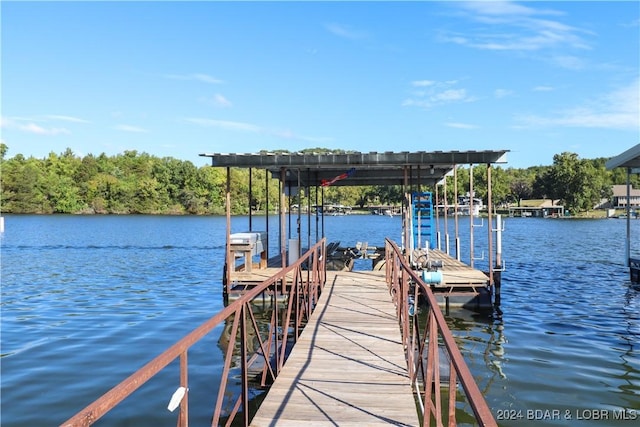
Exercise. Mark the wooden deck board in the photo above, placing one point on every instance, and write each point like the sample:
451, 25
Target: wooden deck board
348, 366
457, 273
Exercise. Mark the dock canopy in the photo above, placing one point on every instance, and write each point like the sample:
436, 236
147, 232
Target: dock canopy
372, 168
628, 159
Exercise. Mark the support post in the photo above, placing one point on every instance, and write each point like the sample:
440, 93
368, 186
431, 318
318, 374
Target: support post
406, 223
322, 194
250, 199
283, 231
445, 211
308, 194
184, 382
471, 254
498, 270
627, 261
266, 212
437, 202
230, 261
243, 367
298, 218
455, 210
490, 221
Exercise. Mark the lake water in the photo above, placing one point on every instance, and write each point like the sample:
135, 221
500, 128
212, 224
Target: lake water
87, 300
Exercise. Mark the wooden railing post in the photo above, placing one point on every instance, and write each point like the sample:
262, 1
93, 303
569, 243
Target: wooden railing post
243, 355
183, 417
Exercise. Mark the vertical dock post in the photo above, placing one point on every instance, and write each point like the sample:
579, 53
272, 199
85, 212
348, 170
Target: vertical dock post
437, 211
498, 241
446, 225
490, 221
250, 198
498, 269
283, 231
455, 209
229, 259
471, 254
627, 254
266, 211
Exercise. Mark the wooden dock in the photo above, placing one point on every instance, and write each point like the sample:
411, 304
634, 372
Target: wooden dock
456, 273
348, 366
461, 286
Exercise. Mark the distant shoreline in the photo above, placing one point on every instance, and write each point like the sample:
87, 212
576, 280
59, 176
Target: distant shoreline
594, 214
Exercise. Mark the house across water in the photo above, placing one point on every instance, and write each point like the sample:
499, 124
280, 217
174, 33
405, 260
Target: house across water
538, 208
619, 199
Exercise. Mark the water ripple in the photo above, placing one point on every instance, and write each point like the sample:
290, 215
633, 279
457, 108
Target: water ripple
87, 300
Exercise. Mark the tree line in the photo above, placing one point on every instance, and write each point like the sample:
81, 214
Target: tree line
140, 183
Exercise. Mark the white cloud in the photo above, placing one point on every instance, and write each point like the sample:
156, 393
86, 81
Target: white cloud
502, 93
569, 62
423, 83
460, 125
345, 31
225, 124
449, 95
129, 128
633, 23
251, 128
493, 11
543, 89
65, 118
33, 128
619, 109
205, 78
221, 101
434, 93
28, 126
511, 26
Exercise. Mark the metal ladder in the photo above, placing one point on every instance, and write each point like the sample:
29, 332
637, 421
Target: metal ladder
423, 222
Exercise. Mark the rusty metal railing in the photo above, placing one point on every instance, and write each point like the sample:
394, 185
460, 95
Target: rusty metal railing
425, 343
301, 284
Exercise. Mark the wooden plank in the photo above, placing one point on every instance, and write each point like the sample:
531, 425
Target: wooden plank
457, 273
348, 366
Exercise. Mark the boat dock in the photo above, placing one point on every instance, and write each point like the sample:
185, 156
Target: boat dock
348, 365
339, 347
460, 284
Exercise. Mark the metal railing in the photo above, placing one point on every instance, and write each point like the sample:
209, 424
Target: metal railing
425, 343
301, 284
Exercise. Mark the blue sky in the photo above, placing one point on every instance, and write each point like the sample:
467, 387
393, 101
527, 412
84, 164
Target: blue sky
182, 78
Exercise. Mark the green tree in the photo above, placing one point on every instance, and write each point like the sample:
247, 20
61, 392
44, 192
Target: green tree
576, 182
60, 189
22, 184
521, 189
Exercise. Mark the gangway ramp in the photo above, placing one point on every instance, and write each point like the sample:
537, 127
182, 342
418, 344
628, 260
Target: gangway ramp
348, 366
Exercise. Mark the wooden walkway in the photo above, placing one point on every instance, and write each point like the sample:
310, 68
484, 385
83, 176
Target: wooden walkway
348, 366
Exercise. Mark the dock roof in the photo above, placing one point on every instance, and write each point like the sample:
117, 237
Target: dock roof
628, 159
371, 168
